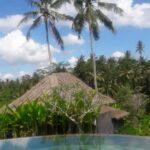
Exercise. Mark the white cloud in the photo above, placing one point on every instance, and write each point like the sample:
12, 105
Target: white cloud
118, 54
6, 76
68, 52
73, 61
13, 76
46, 64
64, 24
71, 39
15, 49
10, 23
22, 73
68, 9
136, 15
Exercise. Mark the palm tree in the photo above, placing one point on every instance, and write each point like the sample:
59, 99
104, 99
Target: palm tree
140, 48
90, 13
45, 11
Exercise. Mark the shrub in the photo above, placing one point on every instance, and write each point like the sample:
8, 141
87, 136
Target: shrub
51, 114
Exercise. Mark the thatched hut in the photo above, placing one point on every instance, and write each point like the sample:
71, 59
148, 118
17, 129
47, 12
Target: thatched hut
110, 119
54, 80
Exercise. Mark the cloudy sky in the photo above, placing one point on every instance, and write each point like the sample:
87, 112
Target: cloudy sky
18, 56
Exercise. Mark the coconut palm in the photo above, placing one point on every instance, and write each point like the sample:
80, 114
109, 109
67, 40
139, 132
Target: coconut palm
140, 48
89, 12
45, 12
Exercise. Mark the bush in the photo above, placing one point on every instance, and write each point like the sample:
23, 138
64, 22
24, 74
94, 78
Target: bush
138, 126
51, 114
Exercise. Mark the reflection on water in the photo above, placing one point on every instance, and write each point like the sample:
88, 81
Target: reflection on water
77, 142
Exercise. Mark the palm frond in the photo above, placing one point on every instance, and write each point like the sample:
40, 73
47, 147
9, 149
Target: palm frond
105, 20
58, 3
35, 24
90, 15
78, 4
28, 16
111, 6
62, 17
36, 3
78, 23
56, 34
92, 20
95, 30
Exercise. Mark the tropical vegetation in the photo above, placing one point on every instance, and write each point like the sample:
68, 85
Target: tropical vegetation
47, 12
126, 79
90, 12
51, 114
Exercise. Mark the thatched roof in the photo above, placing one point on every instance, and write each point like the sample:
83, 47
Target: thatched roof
54, 80
115, 113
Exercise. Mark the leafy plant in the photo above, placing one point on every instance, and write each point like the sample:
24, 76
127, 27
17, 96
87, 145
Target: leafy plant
51, 114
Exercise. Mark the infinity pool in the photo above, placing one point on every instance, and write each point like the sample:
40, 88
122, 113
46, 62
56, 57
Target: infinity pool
78, 142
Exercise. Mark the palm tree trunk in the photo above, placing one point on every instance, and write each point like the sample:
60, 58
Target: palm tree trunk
94, 61
48, 45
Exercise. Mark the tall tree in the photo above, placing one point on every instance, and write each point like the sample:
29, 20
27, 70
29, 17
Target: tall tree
90, 12
46, 12
80, 69
140, 48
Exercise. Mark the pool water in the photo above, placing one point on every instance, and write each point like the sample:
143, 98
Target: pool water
78, 142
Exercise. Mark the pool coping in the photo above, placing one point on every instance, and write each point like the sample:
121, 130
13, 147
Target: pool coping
69, 135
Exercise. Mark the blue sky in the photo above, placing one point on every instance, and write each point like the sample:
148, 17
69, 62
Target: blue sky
17, 56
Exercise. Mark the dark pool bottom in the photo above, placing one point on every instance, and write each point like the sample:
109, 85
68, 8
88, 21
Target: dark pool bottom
78, 142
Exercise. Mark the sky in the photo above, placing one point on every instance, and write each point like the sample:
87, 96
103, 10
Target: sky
19, 56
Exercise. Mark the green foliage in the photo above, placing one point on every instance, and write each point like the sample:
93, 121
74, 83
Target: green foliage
80, 69
12, 89
127, 80
77, 108
46, 12
90, 13
140, 48
124, 94
137, 126
117, 78
25, 120
51, 114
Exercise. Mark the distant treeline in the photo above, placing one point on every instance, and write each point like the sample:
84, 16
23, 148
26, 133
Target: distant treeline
12, 89
119, 78
127, 80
